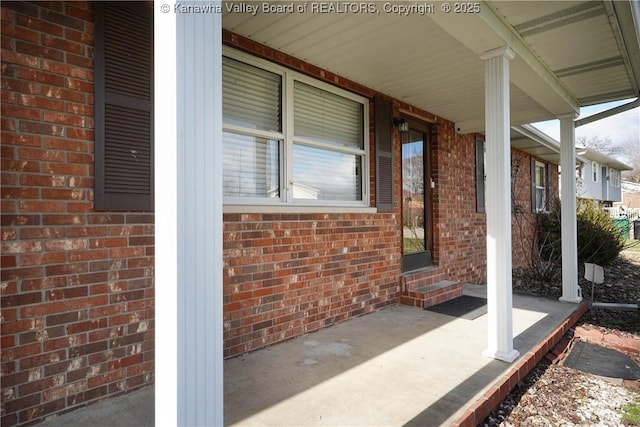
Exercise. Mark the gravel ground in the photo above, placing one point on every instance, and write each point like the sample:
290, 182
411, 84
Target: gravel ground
553, 395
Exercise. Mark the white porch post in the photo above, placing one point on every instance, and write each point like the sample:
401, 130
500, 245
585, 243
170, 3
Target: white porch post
498, 205
570, 289
199, 218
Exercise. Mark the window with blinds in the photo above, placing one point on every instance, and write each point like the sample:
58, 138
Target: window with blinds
539, 186
289, 139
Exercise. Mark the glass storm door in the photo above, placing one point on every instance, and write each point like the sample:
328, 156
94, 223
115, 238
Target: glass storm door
416, 199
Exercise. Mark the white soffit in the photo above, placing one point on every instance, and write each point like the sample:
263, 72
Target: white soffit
568, 54
580, 42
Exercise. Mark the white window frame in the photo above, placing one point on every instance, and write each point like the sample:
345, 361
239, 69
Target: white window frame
544, 166
286, 199
595, 171
615, 178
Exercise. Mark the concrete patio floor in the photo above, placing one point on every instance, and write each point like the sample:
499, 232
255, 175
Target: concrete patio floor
395, 367
398, 366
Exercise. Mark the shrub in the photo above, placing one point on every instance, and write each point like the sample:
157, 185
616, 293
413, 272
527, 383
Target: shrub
599, 240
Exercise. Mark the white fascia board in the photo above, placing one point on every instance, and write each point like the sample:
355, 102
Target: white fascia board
605, 160
538, 136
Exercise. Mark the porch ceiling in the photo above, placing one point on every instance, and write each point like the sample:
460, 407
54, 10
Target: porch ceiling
568, 54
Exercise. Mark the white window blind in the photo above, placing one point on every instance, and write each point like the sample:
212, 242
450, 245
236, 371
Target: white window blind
327, 117
251, 96
252, 105
289, 139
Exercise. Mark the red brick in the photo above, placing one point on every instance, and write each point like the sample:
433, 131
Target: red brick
38, 25
20, 86
38, 51
62, 194
43, 180
38, 154
80, 109
20, 166
78, 36
8, 261
62, 19
56, 92
20, 112
63, 219
44, 309
20, 247
41, 128
39, 76
39, 206
20, 33
69, 268
86, 134
43, 258
19, 193
41, 102
64, 169
67, 293
21, 299
80, 206
67, 70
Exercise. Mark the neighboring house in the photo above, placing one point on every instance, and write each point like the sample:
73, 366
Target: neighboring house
331, 124
600, 177
631, 194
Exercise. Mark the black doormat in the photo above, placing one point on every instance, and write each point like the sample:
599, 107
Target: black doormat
465, 306
602, 361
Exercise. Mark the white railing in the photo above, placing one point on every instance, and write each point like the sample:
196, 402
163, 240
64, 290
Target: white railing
619, 212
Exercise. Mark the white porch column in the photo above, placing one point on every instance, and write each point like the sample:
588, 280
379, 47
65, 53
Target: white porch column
188, 193
498, 205
570, 290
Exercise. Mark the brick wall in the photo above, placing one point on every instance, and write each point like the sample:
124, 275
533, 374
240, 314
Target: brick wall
288, 274
77, 285
459, 231
523, 220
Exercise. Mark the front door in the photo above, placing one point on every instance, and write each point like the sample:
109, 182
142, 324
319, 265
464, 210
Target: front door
417, 222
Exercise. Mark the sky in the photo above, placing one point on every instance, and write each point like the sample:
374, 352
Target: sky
619, 128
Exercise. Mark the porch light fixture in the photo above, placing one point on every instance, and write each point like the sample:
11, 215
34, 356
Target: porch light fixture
402, 125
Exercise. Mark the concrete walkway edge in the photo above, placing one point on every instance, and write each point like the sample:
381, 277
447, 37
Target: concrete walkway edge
482, 408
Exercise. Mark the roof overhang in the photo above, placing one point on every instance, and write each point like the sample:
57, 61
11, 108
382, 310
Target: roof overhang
591, 154
568, 53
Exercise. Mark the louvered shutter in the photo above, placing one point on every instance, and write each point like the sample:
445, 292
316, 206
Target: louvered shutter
123, 106
480, 203
384, 155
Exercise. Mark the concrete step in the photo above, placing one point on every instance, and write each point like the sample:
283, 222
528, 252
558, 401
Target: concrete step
433, 294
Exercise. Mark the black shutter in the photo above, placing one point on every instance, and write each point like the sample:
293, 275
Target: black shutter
384, 155
123, 106
480, 206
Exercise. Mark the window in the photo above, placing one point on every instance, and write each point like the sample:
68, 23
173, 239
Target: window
615, 178
595, 171
539, 186
289, 139
123, 106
